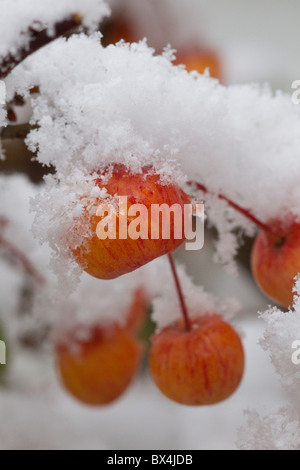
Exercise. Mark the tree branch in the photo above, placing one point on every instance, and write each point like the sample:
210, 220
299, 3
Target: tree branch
37, 39
273, 234
19, 131
18, 255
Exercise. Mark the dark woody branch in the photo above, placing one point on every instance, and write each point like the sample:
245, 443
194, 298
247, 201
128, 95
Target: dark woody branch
19, 131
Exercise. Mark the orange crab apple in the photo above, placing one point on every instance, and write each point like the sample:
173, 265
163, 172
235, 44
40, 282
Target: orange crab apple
276, 261
138, 311
200, 366
111, 257
118, 28
199, 59
99, 370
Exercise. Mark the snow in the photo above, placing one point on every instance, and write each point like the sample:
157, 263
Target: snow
279, 431
92, 111
18, 15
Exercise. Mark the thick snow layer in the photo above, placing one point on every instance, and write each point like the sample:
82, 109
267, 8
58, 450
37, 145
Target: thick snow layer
125, 104
99, 105
18, 15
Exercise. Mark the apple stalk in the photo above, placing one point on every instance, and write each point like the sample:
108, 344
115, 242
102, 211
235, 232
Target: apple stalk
246, 212
183, 305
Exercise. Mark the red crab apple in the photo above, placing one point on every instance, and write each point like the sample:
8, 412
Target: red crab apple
97, 371
276, 261
110, 258
202, 366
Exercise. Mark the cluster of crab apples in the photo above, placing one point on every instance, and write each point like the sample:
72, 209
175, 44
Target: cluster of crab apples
193, 362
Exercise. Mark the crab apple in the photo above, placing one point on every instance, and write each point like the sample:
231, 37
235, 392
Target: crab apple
199, 59
202, 366
113, 256
97, 371
275, 262
118, 28
138, 311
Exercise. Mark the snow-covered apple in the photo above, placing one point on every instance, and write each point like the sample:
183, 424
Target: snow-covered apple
111, 257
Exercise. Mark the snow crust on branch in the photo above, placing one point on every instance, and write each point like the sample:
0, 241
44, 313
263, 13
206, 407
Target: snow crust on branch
125, 104
19, 15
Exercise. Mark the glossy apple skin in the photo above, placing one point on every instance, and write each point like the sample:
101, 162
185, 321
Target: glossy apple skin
111, 258
275, 265
99, 370
196, 58
203, 366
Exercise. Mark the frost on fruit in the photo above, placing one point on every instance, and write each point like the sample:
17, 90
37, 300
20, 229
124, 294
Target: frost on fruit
281, 430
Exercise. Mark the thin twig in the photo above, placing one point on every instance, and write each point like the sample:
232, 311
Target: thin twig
23, 260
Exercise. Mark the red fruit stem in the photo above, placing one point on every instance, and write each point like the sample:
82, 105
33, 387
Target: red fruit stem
37, 39
184, 309
245, 212
22, 258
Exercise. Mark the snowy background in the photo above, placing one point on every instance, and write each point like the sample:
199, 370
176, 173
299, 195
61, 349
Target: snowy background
257, 41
